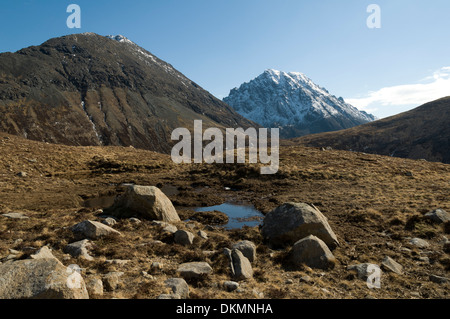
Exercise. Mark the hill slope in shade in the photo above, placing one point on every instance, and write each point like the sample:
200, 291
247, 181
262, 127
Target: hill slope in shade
295, 104
422, 133
87, 89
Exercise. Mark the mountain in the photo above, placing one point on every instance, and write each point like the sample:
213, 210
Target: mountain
422, 133
295, 104
87, 89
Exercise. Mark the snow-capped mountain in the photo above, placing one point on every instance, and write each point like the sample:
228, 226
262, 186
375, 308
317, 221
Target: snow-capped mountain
295, 104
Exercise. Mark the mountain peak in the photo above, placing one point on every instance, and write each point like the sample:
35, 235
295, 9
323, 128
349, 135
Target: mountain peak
294, 103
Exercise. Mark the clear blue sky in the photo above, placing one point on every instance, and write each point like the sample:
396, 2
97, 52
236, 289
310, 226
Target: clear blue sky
222, 43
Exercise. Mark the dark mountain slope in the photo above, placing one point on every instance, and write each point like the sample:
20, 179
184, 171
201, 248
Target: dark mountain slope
87, 89
422, 133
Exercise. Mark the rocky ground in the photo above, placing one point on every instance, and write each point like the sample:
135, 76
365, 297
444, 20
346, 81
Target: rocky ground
374, 205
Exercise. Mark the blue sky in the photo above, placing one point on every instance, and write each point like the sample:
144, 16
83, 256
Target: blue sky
222, 43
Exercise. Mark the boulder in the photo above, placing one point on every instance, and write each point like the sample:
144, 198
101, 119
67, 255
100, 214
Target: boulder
147, 202
42, 278
94, 286
313, 252
194, 270
247, 248
179, 287
438, 216
183, 237
44, 253
242, 268
93, 230
291, 222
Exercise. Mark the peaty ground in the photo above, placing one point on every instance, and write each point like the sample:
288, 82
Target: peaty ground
374, 204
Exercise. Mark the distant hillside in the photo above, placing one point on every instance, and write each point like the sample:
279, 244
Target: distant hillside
422, 133
87, 89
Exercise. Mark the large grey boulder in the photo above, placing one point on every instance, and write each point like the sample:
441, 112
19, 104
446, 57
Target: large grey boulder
93, 230
42, 278
247, 248
313, 252
194, 270
148, 202
291, 222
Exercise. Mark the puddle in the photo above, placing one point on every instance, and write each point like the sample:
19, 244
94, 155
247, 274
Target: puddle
239, 215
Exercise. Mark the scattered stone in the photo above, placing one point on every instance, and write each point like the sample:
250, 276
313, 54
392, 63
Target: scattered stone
242, 268
146, 275
79, 249
109, 221
118, 262
258, 294
291, 222
112, 280
94, 286
439, 279
183, 237
135, 220
202, 234
231, 285
169, 296
247, 248
419, 243
15, 216
93, 230
156, 266
362, 270
313, 252
289, 282
424, 259
40, 279
194, 270
179, 287
438, 216
144, 201
390, 264
306, 279
22, 174
170, 229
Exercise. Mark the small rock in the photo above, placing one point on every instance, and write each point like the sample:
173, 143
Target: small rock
424, 259
312, 252
118, 262
170, 229
363, 270
169, 296
157, 266
242, 268
79, 249
179, 286
390, 264
438, 216
135, 220
194, 270
247, 248
94, 286
109, 221
202, 234
146, 275
289, 282
419, 243
183, 237
93, 230
44, 253
112, 280
22, 174
15, 216
439, 279
230, 285
306, 279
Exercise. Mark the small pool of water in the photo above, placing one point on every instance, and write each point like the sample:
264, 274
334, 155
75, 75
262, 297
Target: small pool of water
239, 215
